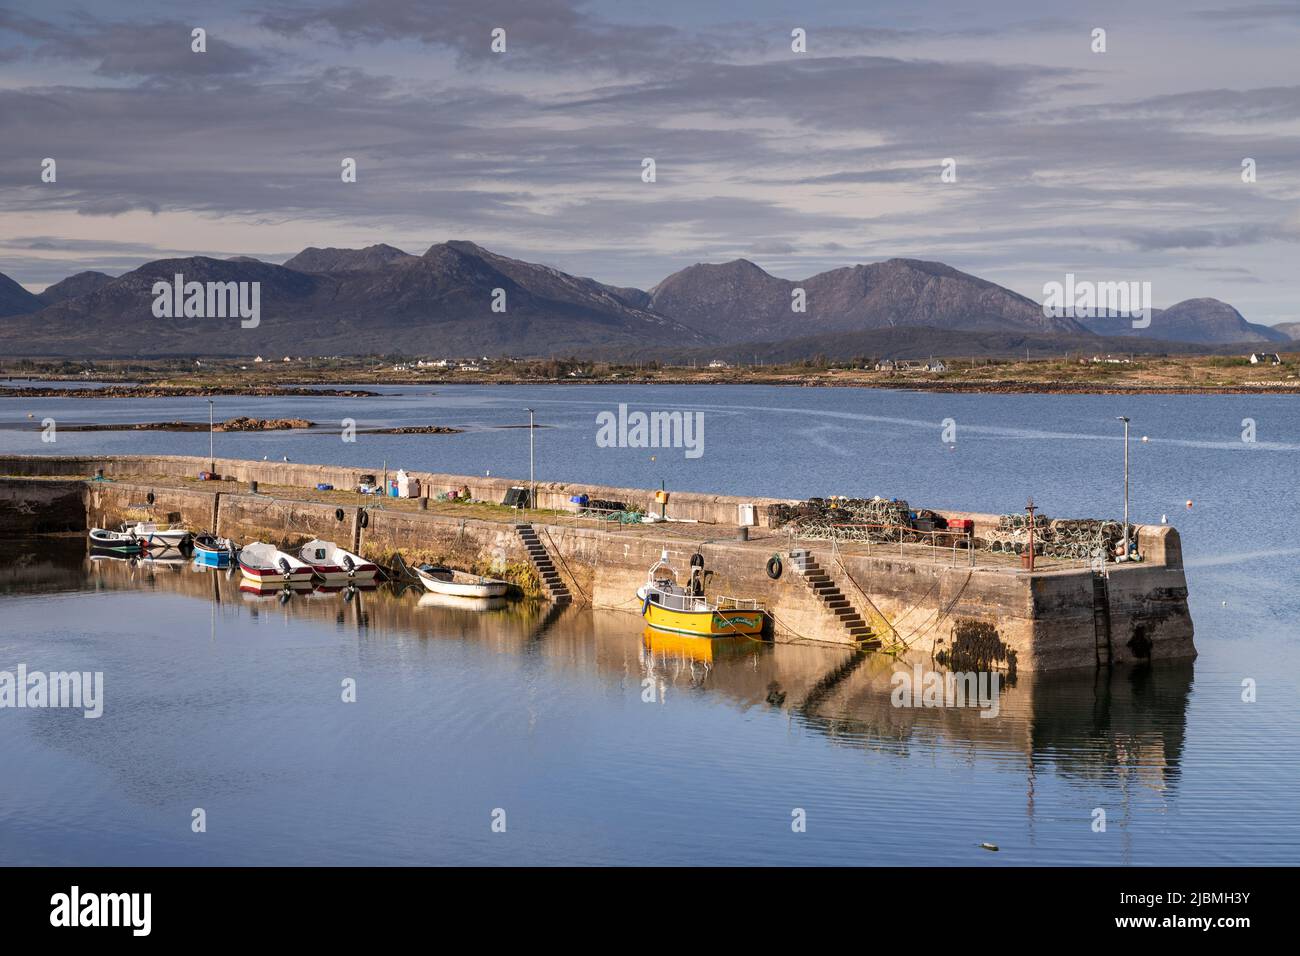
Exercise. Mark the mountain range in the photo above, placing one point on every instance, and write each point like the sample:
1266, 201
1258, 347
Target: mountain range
382, 300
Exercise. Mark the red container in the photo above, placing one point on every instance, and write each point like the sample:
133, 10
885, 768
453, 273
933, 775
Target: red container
961, 524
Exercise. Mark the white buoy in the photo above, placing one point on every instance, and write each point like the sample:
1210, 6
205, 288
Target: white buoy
1144, 438
1164, 519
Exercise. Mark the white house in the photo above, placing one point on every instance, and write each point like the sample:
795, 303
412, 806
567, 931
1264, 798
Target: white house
1265, 358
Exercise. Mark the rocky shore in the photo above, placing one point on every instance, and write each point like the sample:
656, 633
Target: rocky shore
240, 424
173, 391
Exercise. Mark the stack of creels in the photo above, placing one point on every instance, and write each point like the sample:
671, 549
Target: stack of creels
1011, 536
1082, 538
858, 519
1078, 539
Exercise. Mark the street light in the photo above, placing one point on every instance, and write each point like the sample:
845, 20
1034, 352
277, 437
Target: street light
532, 483
1122, 418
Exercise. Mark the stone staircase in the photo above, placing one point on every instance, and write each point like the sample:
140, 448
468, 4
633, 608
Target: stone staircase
829, 593
542, 563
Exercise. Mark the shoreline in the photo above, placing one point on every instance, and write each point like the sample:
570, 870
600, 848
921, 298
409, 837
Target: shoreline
996, 387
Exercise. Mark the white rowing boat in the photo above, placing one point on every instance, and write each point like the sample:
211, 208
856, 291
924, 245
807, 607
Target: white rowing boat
442, 580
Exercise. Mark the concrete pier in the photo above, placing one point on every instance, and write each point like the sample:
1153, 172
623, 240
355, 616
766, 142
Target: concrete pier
968, 610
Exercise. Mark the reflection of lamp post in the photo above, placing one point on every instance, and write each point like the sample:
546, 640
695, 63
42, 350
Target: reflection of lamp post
212, 461
1123, 419
532, 483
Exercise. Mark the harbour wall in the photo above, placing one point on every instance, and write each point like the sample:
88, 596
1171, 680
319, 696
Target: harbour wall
997, 616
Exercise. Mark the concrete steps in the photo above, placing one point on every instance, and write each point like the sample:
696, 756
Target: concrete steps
832, 598
556, 589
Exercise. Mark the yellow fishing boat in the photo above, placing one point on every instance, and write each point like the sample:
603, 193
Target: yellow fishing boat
669, 606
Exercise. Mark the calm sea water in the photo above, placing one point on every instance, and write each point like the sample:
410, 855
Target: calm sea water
220, 700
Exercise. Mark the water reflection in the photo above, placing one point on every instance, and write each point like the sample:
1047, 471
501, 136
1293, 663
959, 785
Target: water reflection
1125, 726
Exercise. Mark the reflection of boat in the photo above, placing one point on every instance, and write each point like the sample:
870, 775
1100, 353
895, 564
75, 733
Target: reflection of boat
100, 554
267, 564
252, 590
173, 536
441, 580
334, 565
326, 590
706, 650
433, 599
214, 552
669, 606
115, 542
170, 559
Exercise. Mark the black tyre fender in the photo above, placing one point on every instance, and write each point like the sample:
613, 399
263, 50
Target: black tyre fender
363, 519
774, 567
697, 560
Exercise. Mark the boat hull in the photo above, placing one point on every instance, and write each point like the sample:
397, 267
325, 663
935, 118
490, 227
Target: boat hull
115, 543
333, 574
266, 576
479, 589
212, 559
704, 623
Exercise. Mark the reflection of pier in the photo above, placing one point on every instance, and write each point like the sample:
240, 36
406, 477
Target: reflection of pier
1123, 724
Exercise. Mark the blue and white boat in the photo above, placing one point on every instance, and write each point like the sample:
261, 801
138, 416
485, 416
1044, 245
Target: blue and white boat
213, 552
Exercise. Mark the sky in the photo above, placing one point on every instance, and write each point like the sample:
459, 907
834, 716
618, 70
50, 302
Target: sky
1122, 165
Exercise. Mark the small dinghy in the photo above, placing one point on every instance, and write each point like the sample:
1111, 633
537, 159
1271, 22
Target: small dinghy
115, 543
214, 552
173, 536
334, 565
442, 580
263, 563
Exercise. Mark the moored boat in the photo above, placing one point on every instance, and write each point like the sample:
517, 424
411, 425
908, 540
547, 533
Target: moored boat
172, 536
263, 563
115, 543
334, 565
443, 580
683, 609
214, 552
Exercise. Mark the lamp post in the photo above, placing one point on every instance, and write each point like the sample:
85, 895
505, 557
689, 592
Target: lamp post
532, 483
212, 459
1124, 419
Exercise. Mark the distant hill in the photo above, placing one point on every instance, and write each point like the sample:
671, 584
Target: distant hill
381, 299
312, 259
1201, 321
436, 303
15, 300
739, 301
1289, 329
83, 283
